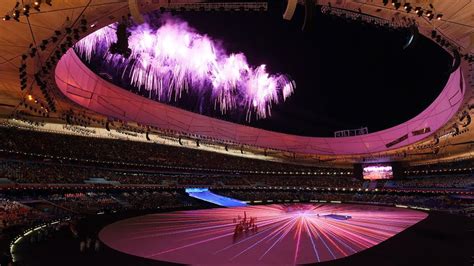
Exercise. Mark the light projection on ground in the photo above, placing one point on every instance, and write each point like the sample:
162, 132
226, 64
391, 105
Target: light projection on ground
273, 234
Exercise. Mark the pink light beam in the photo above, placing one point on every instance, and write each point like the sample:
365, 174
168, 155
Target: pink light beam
287, 234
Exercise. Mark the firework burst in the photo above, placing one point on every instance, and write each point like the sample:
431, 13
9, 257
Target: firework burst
169, 60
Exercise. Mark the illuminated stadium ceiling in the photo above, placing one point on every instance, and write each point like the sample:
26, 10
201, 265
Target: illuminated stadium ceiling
347, 74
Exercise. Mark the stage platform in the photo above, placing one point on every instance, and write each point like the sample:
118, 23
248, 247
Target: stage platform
283, 235
206, 195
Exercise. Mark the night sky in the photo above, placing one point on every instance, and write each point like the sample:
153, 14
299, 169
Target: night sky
347, 74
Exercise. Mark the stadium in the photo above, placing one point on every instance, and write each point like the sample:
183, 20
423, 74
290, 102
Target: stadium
279, 132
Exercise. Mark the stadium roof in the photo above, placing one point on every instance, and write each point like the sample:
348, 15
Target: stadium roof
34, 36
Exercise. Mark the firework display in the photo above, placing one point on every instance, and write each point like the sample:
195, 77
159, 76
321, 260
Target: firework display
270, 234
171, 59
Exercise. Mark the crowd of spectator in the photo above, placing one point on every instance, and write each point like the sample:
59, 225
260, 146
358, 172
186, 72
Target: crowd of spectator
90, 202
435, 181
41, 172
307, 181
442, 168
156, 199
13, 213
121, 151
24, 208
436, 202
48, 172
27, 208
41, 158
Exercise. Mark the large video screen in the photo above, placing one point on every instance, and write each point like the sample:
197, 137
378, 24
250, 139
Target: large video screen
375, 172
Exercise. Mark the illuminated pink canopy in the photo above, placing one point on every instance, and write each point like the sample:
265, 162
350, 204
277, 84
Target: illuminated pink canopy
81, 85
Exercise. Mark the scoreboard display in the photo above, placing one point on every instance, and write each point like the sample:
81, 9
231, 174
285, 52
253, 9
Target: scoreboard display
377, 171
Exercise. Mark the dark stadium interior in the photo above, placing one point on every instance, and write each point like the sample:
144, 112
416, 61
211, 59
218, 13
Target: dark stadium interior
48, 183
91, 174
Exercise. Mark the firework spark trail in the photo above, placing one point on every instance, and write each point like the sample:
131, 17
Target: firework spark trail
174, 58
288, 234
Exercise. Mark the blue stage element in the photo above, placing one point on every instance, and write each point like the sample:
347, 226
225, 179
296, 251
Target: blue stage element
206, 195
